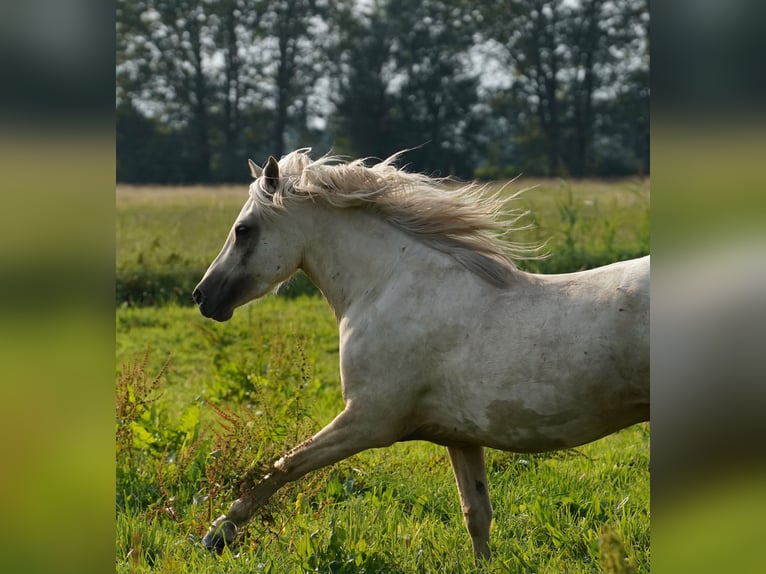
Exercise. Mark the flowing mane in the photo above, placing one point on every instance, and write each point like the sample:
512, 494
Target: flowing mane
466, 222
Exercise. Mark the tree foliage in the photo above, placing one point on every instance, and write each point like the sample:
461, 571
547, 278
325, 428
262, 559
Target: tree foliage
547, 87
573, 62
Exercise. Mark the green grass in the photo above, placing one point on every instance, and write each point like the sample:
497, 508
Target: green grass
235, 396
273, 369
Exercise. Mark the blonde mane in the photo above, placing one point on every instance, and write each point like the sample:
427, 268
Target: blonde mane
466, 222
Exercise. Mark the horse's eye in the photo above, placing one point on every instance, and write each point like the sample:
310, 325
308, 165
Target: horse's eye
241, 230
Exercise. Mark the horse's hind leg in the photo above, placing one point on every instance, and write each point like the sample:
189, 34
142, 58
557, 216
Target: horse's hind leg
349, 433
471, 477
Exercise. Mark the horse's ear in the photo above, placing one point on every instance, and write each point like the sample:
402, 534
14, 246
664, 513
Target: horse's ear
271, 174
255, 169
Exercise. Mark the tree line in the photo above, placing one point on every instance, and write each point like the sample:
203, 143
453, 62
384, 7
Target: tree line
474, 89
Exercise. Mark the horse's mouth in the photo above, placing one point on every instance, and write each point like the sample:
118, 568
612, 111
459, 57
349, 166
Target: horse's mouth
218, 314
222, 316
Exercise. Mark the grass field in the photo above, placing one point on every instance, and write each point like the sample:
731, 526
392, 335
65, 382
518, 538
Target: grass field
235, 395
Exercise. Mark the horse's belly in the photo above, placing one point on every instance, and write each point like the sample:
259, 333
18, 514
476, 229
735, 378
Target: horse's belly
540, 398
515, 427
515, 436
529, 417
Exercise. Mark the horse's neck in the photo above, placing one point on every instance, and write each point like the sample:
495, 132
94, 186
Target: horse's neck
351, 253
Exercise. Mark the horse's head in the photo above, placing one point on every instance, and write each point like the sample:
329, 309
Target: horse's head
261, 250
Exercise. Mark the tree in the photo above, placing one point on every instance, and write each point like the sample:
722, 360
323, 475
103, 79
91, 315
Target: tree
236, 84
294, 65
362, 52
586, 44
179, 63
405, 82
531, 35
203, 85
608, 45
167, 43
437, 95
568, 61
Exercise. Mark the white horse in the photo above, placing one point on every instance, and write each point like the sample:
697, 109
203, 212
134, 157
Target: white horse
442, 337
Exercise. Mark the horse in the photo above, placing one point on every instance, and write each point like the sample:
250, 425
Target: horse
442, 337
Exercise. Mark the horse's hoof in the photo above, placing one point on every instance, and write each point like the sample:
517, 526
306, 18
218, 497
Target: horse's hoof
220, 535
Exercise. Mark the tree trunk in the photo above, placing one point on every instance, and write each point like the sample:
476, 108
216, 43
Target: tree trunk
231, 126
547, 85
199, 108
285, 69
584, 95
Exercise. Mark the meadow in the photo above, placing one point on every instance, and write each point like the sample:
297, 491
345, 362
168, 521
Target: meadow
202, 405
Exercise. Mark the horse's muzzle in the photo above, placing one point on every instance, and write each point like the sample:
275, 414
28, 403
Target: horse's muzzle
216, 313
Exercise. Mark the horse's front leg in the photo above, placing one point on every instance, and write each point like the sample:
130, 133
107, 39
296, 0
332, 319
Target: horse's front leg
350, 432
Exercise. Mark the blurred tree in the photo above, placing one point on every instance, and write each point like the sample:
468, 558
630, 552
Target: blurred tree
297, 28
202, 85
236, 28
406, 82
362, 57
587, 45
146, 149
569, 60
531, 33
162, 47
434, 85
608, 40
179, 63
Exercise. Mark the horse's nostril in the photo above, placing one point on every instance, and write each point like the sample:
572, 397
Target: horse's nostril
198, 296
